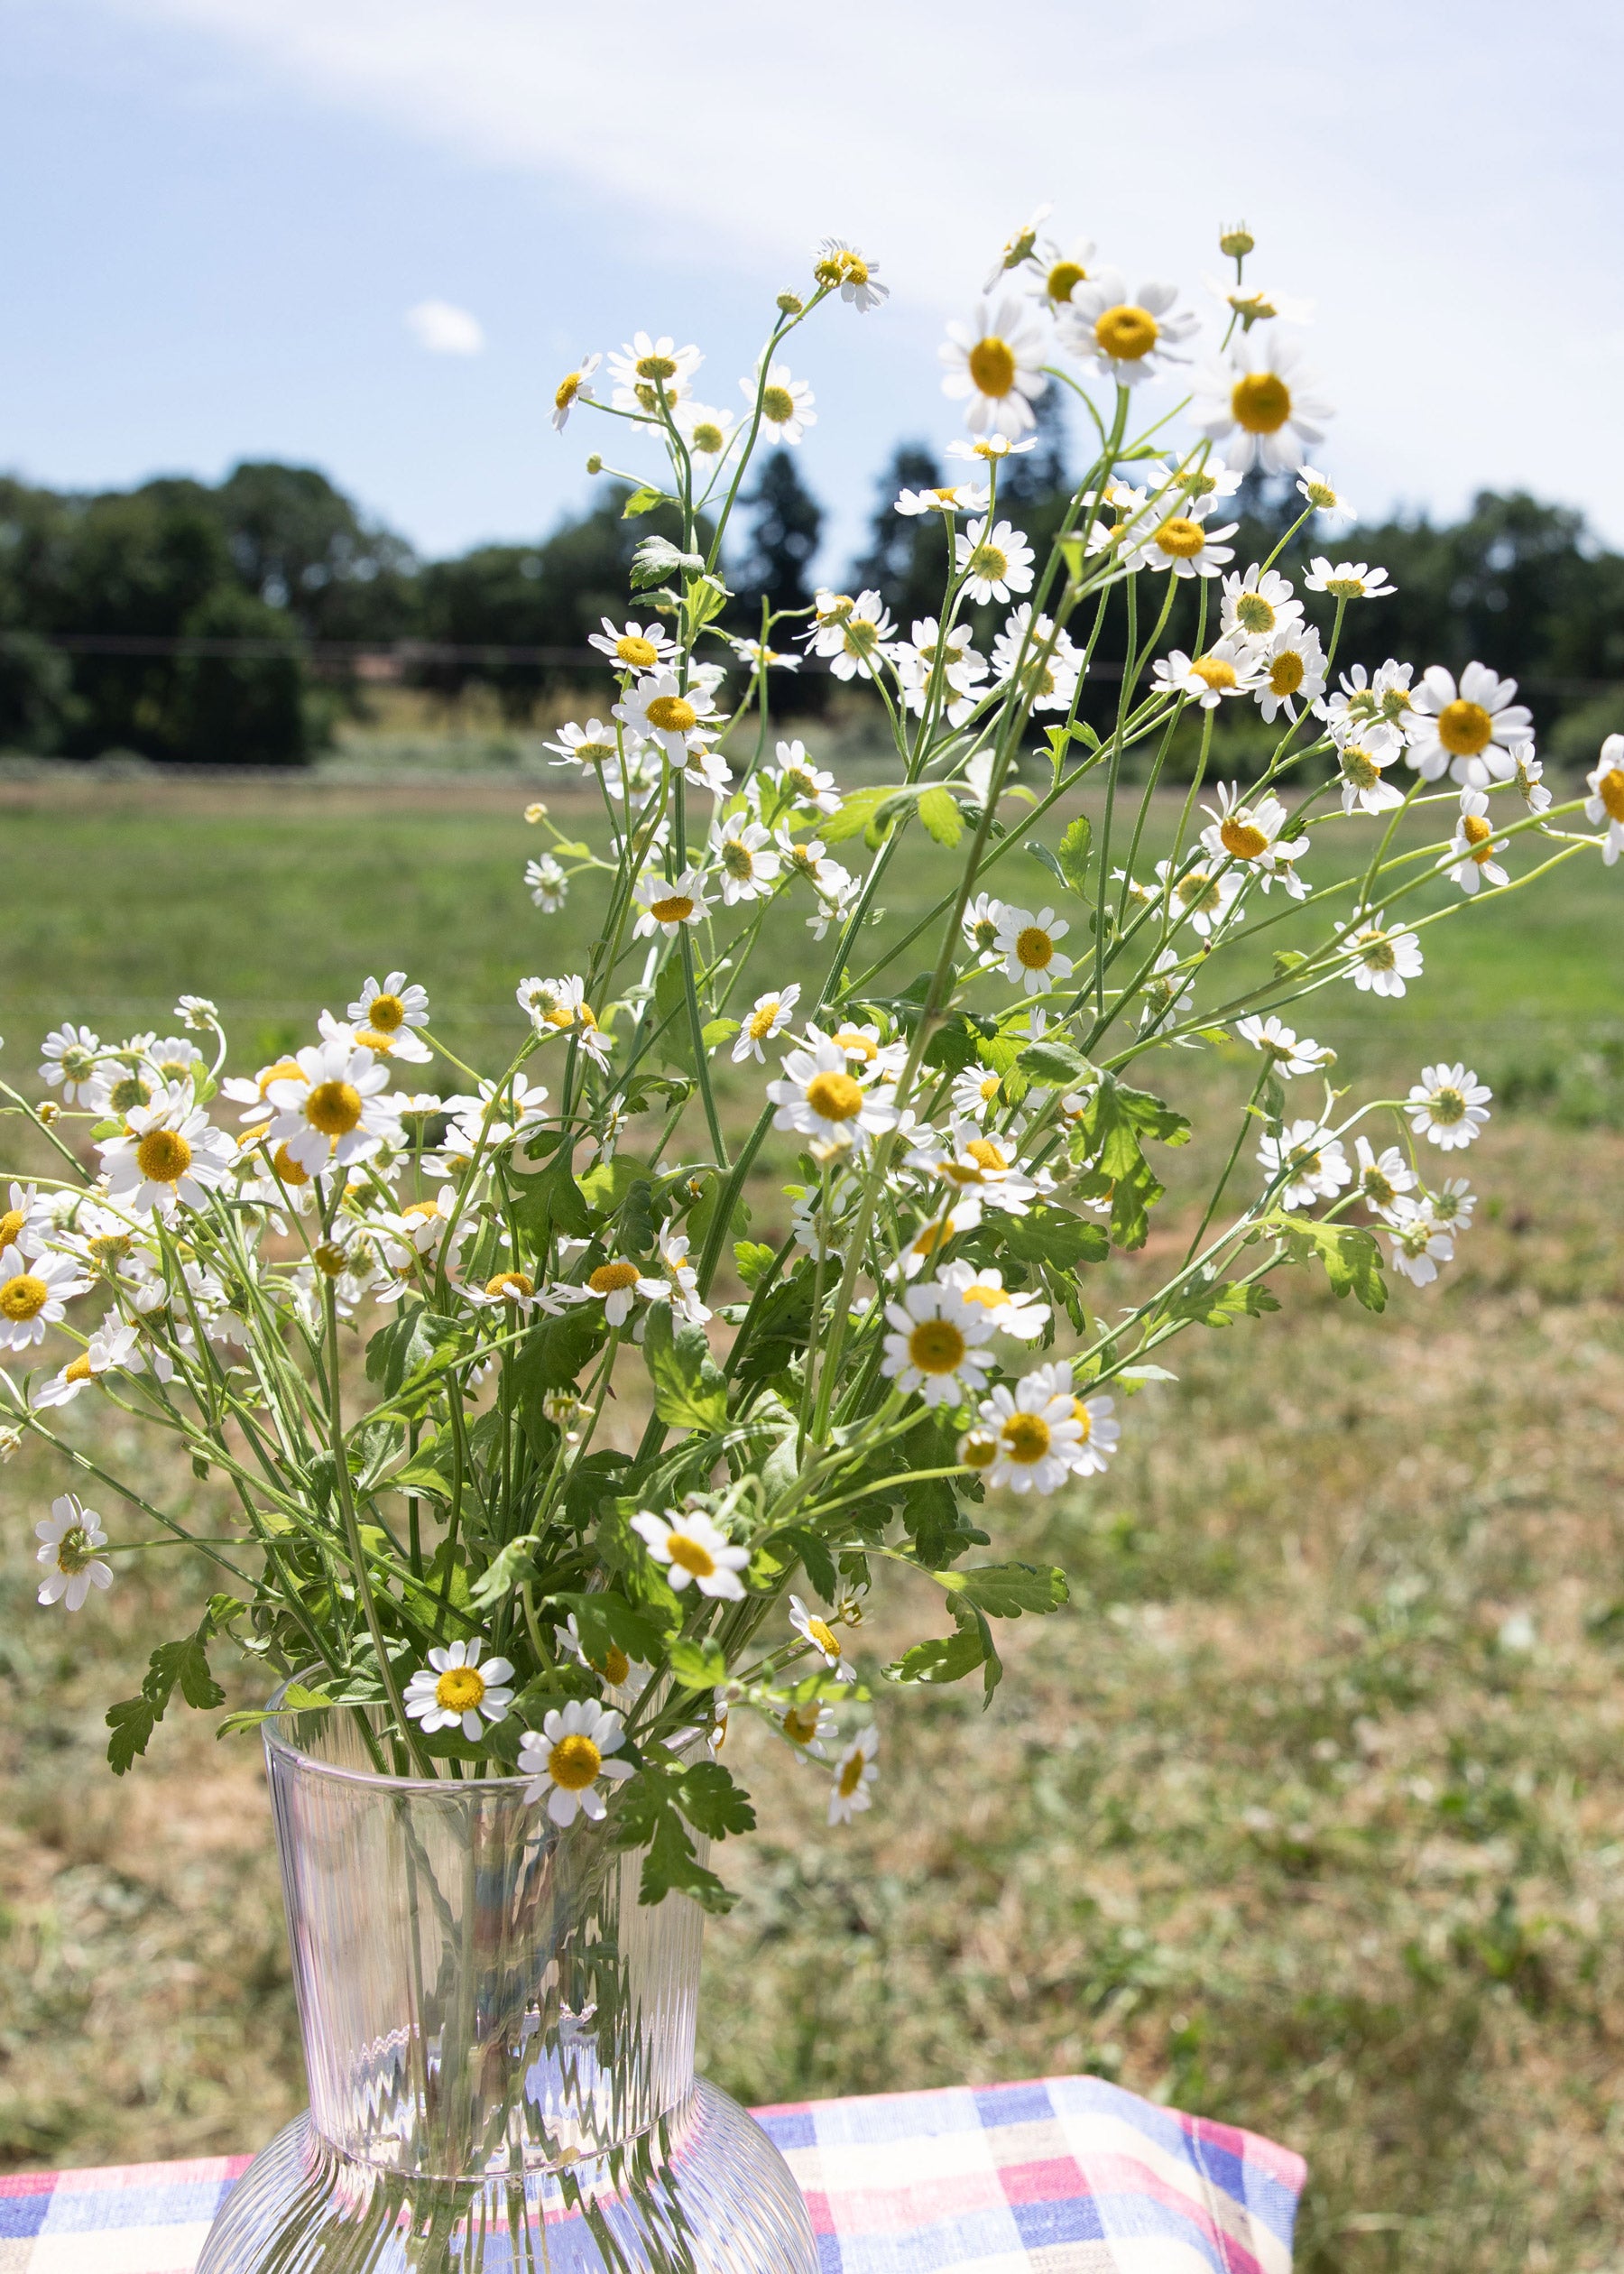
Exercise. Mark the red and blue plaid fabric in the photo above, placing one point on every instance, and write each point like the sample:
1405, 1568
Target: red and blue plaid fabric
1070, 2175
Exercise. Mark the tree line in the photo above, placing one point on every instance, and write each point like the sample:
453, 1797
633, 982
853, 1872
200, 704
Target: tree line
219, 624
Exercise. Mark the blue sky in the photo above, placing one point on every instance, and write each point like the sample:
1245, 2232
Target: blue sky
222, 212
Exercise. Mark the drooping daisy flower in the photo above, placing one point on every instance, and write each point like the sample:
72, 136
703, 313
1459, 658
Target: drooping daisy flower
1380, 962
819, 1098
667, 903
841, 266
1183, 543
647, 371
170, 1151
616, 1284
1199, 897
957, 498
786, 403
1169, 994
1347, 580
822, 1638
1231, 667
1029, 946
982, 922
684, 1290
1251, 834
762, 658
1046, 663
1310, 1159
1262, 406
572, 389
566, 1758
769, 1015
1473, 846
631, 647
1012, 1310
749, 861
1129, 340
934, 1344
68, 1538
1362, 700
1020, 247
1035, 1433
1381, 1179
994, 567
852, 633
864, 1047
1364, 787
1324, 496
1293, 666
994, 367
658, 710
1448, 1105
695, 1551
1471, 731
949, 1225
939, 666
33, 1292
70, 1058
1605, 781
114, 1347
1529, 780
854, 1773
1290, 1055
975, 1092
974, 1164
811, 1729
455, 1690
1452, 1204
332, 1110
1419, 1242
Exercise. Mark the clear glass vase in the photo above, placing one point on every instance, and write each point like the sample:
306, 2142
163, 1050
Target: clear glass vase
499, 2040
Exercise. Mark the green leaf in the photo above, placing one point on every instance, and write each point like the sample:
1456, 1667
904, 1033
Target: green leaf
514, 1560
1038, 851
424, 1474
1003, 1591
132, 1722
607, 1621
936, 1524
813, 1551
182, 1665
939, 811
944, 1659
751, 1260
670, 1864
1055, 1065
655, 558
1055, 1238
1287, 960
1074, 854
712, 1802
551, 1200
952, 1047
715, 1031
690, 1392
858, 813
1350, 1256
296, 1699
553, 1356
1220, 1304
604, 1187
698, 1665
643, 500
414, 1350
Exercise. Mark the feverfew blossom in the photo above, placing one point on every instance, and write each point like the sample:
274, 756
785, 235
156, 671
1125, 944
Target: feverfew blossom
1380, 962
850, 634
33, 1293
1044, 662
68, 1538
994, 367
1448, 1105
1281, 1043
1310, 1159
566, 1758
694, 1552
1605, 781
786, 402
169, 1151
331, 1111
1420, 1242
1381, 1179
855, 1771
1034, 1434
818, 1097
1129, 340
1030, 947
935, 1343
1231, 667
1259, 604
456, 1690
996, 565
1473, 846
658, 710
822, 1638
666, 903
1262, 405
1347, 579
1252, 836
1471, 731
767, 1017
70, 1058
572, 389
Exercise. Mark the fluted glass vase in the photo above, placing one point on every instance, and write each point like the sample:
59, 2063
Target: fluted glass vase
499, 2041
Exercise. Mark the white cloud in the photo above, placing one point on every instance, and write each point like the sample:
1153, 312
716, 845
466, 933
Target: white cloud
446, 330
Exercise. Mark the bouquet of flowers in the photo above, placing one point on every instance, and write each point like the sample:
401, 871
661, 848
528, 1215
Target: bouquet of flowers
389, 1321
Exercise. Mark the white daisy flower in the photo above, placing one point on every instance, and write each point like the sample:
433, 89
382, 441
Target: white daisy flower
1473, 846
70, 1058
1471, 731
387, 1008
762, 658
1230, 667
559, 1006
874, 1054
547, 885
198, 1014
1347, 580
1290, 1055
1448, 1105
818, 1097
1020, 247
1362, 700
169, 1151
694, 1550
1310, 1159
657, 709
1199, 897
926, 1247
1364, 787
1251, 834
748, 860
786, 403
1031, 1433
614, 1667
566, 1758
617, 1284
684, 1290
975, 1092
982, 922
707, 431
33, 1293
26, 1220
1028, 945
454, 1691
1262, 405
1529, 780
1381, 1179
1259, 604
1048, 664
1183, 543
1381, 962
854, 1774
572, 389
798, 779
1169, 994
837, 891
174, 1059
811, 1729
1255, 304
1324, 496
822, 1638
994, 367
940, 666
1098, 1430
114, 1347
1012, 1311
839, 264
769, 1015
1129, 340
850, 634
1293, 664
647, 371
996, 566
975, 1164
332, 1110
667, 903
957, 497
1056, 271
594, 744
1419, 1242
68, 1538
934, 1344
1605, 781
1452, 1204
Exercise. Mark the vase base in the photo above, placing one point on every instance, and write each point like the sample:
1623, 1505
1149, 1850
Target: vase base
706, 2192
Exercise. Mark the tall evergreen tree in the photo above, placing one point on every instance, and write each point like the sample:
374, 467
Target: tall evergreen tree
787, 523
905, 562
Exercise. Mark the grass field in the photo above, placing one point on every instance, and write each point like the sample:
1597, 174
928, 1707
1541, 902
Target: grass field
1310, 1811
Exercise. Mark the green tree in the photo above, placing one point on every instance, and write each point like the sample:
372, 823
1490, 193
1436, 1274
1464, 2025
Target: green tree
300, 545
904, 560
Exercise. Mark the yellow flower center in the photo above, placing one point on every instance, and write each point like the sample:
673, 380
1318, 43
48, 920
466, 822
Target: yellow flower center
1611, 791
1376, 951
25, 1297
285, 1069
369, 1038
1359, 768
614, 1666
936, 1347
1261, 402
991, 1299
385, 1013
1180, 538
1126, 333
835, 1097
672, 715
985, 932
1448, 1106
855, 267
818, 1631
978, 1451
291, 1172
676, 909
988, 562
164, 1155
1215, 671
574, 1764
515, 1283
851, 1776
989, 1087
1034, 949
331, 1260
993, 365
691, 1554
334, 1108
1082, 1418
1464, 728
1026, 1438
610, 1279
73, 1550
1064, 279
81, 1369
11, 1223
759, 1023
862, 634
1286, 673
982, 1150
778, 405
656, 367
707, 439
801, 1724
856, 1045
129, 1095
1255, 614
1243, 839
738, 859
568, 388
108, 1247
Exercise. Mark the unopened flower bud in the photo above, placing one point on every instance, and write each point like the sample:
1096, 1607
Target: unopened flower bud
535, 812
595, 465
1237, 242
790, 303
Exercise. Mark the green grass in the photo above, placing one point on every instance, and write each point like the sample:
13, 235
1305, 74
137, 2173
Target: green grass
1280, 1821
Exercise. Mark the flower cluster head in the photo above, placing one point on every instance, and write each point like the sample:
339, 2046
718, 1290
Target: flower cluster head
565, 1762
456, 1691
68, 1538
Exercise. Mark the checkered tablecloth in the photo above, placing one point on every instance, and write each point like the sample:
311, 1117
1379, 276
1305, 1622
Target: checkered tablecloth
1070, 2175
